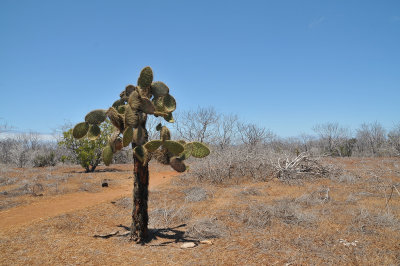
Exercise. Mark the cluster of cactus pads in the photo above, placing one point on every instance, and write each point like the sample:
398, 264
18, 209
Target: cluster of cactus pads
129, 115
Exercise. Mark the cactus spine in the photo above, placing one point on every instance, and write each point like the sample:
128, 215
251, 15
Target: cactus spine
128, 114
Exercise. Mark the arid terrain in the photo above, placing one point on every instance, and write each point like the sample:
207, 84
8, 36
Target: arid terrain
51, 216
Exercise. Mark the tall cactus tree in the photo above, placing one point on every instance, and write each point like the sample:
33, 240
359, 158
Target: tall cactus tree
129, 114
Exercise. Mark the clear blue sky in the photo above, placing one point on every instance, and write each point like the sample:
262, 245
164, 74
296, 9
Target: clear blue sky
285, 65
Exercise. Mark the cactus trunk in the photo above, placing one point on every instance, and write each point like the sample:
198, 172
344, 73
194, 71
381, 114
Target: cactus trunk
140, 215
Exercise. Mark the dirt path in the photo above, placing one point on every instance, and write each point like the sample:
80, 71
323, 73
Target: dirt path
53, 206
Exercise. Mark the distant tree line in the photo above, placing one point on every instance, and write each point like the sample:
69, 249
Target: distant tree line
205, 124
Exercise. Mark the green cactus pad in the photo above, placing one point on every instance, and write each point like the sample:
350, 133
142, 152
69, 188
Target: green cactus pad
169, 118
96, 117
178, 165
159, 89
146, 106
80, 130
127, 136
94, 132
118, 102
199, 150
187, 152
134, 100
169, 103
139, 136
146, 77
116, 119
159, 104
107, 155
140, 153
129, 89
131, 118
158, 127
121, 109
153, 145
165, 134
173, 147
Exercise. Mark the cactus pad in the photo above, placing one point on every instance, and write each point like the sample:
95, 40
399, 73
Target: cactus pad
165, 134
146, 106
140, 153
116, 118
173, 147
178, 165
96, 117
94, 132
153, 145
134, 100
139, 136
131, 118
145, 78
187, 152
199, 150
129, 89
169, 118
118, 103
159, 89
80, 130
107, 155
127, 136
121, 109
169, 103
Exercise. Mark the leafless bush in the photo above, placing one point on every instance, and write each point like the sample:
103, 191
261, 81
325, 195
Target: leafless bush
206, 228
316, 197
125, 202
195, 194
250, 191
256, 216
169, 216
235, 162
197, 125
346, 178
89, 187
302, 167
366, 222
289, 212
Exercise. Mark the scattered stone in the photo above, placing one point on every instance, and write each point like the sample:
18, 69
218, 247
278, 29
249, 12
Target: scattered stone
188, 245
104, 183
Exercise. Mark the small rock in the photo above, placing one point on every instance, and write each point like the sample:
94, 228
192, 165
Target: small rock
104, 183
208, 242
188, 245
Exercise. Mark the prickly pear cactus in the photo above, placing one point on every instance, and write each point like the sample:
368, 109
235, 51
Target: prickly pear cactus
129, 114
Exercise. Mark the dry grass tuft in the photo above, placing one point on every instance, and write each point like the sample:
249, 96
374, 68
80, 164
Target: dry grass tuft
206, 228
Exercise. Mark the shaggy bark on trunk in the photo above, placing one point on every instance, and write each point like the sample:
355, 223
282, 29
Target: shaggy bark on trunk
140, 217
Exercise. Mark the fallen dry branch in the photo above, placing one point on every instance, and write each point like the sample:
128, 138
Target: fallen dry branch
300, 167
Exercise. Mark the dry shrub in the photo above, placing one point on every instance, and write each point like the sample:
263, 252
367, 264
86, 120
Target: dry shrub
250, 191
225, 164
289, 212
125, 203
302, 166
206, 228
256, 216
319, 196
195, 194
167, 217
365, 222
